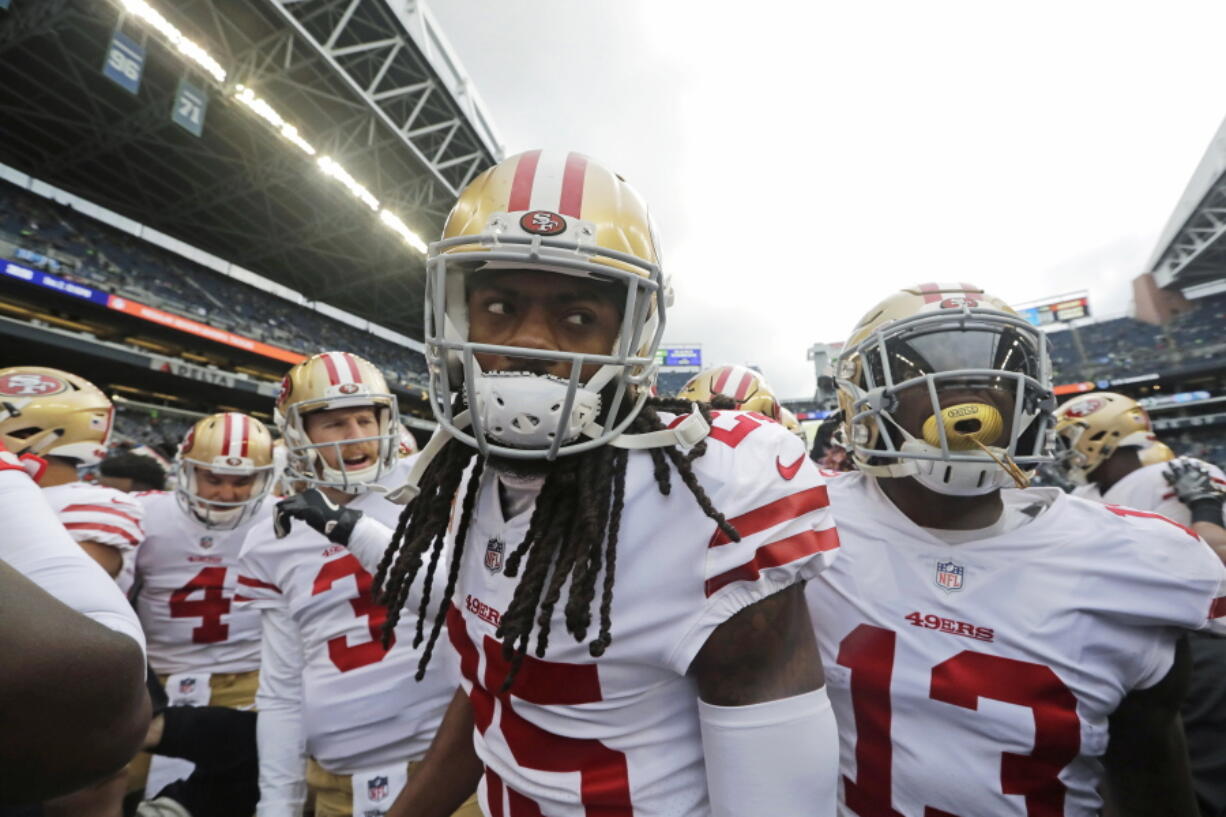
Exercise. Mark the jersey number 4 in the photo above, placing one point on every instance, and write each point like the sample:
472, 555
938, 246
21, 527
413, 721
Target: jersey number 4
210, 581
868, 652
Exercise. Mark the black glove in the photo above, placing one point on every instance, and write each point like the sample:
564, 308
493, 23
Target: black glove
1193, 485
333, 521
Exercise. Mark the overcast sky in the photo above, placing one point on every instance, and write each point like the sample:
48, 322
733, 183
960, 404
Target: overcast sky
805, 159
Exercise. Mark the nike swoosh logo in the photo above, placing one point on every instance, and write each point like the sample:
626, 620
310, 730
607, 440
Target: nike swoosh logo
789, 471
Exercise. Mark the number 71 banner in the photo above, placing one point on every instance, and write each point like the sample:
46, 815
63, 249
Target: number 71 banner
190, 104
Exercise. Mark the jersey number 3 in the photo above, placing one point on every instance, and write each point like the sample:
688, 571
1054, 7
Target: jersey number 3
868, 652
346, 656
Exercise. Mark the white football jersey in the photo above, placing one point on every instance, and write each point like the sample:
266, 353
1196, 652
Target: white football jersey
978, 678
619, 734
187, 575
1147, 490
96, 513
360, 705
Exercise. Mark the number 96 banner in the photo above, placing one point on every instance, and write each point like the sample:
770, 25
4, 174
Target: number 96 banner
190, 104
125, 60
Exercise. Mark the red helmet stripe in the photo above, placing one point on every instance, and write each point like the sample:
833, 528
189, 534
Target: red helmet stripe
571, 201
721, 380
334, 376
521, 185
742, 388
932, 292
227, 433
246, 435
354, 371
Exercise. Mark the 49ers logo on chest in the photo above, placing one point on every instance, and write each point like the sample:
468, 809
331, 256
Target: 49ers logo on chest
542, 222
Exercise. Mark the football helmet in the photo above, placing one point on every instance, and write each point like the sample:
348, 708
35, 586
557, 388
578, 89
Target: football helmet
51, 413
787, 419
931, 340
740, 384
1091, 427
408, 443
335, 380
228, 443
555, 212
1156, 453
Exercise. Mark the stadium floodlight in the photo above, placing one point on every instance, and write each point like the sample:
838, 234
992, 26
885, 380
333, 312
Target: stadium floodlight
269, 114
330, 167
194, 52
411, 238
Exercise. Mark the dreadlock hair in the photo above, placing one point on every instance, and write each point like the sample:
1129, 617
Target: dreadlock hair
572, 535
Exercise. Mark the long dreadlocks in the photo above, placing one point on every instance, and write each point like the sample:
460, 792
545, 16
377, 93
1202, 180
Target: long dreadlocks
572, 534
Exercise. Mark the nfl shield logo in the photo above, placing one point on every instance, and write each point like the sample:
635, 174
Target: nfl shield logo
206, 542
376, 788
949, 576
187, 686
493, 555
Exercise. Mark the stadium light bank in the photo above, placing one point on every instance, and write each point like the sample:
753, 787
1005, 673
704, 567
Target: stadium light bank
261, 108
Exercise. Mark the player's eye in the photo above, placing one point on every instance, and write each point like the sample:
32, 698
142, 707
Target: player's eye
498, 307
580, 318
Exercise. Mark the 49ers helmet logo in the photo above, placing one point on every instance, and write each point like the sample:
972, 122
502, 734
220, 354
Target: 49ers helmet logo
959, 301
31, 385
348, 388
542, 222
1084, 408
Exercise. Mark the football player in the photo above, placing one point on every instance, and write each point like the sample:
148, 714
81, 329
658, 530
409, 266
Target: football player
733, 387
204, 648
330, 687
66, 420
1107, 448
991, 648
629, 645
72, 697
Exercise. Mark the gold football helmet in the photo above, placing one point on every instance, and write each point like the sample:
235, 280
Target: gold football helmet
562, 213
335, 380
227, 444
934, 339
1155, 453
740, 385
1091, 427
51, 413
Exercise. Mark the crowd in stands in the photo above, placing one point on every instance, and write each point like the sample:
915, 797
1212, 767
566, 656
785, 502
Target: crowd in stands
1107, 348
669, 382
38, 232
160, 431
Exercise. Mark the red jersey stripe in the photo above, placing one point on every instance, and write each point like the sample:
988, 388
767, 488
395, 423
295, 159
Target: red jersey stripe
521, 184
776, 554
493, 792
721, 380
334, 376
777, 512
247, 581
1217, 608
354, 371
104, 528
570, 201
742, 388
101, 509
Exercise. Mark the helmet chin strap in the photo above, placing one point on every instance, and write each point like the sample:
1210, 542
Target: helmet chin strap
686, 434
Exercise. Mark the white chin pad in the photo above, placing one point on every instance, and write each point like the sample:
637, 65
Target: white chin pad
957, 478
524, 410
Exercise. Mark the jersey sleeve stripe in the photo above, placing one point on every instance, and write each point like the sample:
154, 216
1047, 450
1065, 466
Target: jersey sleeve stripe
102, 509
776, 554
102, 528
247, 581
1217, 608
241, 597
775, 513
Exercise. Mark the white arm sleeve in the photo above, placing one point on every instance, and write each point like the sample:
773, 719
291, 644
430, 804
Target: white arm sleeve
779, 757
36, 545
369, 541
280, 732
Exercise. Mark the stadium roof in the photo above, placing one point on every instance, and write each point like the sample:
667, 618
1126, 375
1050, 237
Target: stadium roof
1192, 247
370, 83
